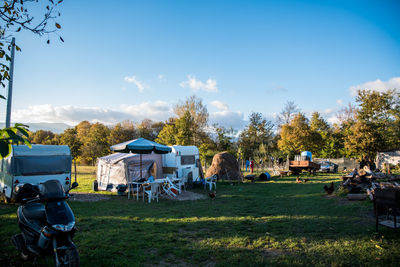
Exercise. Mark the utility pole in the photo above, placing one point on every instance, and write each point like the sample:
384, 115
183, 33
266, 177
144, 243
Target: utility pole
10, 83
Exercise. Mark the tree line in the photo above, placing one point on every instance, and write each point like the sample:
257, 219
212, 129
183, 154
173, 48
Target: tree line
372, 125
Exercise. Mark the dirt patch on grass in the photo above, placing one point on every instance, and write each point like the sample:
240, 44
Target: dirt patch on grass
187, 195
339, 200
87, 197
271, 252
342, 200
172, 260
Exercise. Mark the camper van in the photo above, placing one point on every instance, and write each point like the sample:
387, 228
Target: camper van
183, 161
35, 165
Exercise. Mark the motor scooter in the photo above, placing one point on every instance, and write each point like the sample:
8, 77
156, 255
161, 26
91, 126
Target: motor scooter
47, 223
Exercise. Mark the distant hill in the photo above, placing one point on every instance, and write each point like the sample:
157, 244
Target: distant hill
54, 127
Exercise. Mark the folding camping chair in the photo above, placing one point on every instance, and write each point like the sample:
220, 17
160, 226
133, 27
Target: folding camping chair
178, 182
169, 188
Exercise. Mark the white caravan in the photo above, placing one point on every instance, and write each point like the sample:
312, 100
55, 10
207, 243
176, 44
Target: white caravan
35, 165
183, 161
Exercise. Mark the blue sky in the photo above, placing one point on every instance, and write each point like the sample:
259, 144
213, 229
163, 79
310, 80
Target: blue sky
137, 59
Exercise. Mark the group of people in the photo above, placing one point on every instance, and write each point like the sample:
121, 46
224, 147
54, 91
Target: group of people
250, 164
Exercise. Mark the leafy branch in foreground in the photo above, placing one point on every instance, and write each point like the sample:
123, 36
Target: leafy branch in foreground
14, 17
13, 135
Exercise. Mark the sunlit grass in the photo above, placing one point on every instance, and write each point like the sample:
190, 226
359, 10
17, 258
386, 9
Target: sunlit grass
273, 223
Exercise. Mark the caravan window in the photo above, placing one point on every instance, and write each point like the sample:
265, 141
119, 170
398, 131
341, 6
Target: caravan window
40, 165
187, 160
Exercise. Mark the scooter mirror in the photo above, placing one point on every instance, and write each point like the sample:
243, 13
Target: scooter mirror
74, 185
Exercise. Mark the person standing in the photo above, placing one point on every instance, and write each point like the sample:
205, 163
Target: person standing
247, 164
251, 166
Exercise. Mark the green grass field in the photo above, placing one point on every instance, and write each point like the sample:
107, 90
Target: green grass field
274, 223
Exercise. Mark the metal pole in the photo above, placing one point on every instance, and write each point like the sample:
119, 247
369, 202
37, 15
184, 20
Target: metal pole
141, 166
10, 83
75, 168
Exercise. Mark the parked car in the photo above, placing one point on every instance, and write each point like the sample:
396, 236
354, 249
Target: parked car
327, 166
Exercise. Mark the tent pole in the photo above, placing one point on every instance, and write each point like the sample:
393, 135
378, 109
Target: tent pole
141, 166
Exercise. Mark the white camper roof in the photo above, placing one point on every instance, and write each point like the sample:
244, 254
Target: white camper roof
185, 150
40, 150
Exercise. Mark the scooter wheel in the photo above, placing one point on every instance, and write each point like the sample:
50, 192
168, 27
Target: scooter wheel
70, 258
26, 256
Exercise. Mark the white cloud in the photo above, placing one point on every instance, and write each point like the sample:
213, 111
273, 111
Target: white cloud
133, 79
158, 111
227, 118
161, 77
377, 85
219, 105
72, 115
333, 119
209, 86
339, 102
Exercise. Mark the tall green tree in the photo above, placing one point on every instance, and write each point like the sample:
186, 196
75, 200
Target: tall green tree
82, 130
167, 135
122, 132
376, 126
70, 138
96, 143
297, 136
44, 137
321, 132
195, 116
258, 131
184, 126
149, 129
224, 139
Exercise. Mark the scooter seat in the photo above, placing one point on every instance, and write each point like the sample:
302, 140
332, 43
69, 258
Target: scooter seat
34, 211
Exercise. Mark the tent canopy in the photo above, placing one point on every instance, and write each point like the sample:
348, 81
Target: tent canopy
141, 146
121, 168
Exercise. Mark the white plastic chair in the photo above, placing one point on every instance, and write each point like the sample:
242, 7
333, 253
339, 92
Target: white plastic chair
169, 188
179, 182
152, 191
210, 181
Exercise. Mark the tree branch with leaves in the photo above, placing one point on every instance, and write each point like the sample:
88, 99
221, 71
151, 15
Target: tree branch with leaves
15, 15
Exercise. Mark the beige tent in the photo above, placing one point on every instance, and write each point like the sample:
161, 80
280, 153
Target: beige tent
121, 168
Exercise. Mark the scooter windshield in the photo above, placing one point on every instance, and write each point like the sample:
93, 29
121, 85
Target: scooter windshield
51, 190
59, 213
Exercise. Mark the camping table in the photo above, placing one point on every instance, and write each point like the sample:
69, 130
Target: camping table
138, 184
159, 182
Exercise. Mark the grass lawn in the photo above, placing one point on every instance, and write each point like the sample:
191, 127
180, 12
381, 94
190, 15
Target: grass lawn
274, 223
